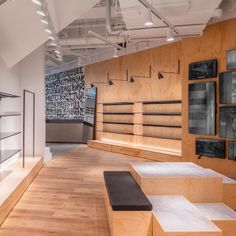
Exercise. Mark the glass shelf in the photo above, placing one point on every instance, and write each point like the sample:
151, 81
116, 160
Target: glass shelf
6, 154
4, 135
10, 114
8, 95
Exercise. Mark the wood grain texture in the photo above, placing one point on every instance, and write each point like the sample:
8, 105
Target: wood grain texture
66, 198
128, 223
136, 150
15, 184
216, 39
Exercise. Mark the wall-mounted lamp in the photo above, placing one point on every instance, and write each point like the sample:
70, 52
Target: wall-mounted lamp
133, 77
160, 73
110, 81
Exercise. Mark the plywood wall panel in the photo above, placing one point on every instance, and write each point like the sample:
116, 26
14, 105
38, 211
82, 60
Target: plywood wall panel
214, 42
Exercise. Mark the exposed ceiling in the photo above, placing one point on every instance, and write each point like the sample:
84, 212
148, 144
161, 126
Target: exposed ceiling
188, 17
21, 30
89, 31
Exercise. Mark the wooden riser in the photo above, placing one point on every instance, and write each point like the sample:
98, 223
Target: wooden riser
221, 215
176, 216
197, 185
128, 223
15, 184
152, 154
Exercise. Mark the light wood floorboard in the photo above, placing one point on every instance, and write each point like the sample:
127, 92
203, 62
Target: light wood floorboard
66, 198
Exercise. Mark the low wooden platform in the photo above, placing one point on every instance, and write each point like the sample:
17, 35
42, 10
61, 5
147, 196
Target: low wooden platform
229, 190
152, 153
221, 215
14, 184
181, 178
128, 223
176, 216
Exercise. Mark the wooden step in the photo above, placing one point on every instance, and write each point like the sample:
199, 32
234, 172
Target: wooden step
152, 153
229, 190
170, 178
16, 182
221, 215
175, 216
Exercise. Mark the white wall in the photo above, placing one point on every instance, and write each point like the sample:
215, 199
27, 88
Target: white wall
32, 74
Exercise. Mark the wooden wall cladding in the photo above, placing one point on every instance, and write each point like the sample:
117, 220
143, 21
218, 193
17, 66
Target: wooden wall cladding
214, 42
162, 132
217, 38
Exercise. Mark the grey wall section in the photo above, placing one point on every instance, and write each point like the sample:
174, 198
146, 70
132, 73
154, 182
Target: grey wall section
64, 132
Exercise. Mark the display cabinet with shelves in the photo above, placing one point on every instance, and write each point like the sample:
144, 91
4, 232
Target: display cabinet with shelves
5, 136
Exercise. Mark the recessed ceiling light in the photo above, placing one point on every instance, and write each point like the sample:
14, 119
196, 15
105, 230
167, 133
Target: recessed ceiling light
41, 13
170, 35
48, 30
37, 2
44, 21
149, 21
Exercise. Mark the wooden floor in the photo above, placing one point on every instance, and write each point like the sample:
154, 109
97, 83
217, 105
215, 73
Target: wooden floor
66, 197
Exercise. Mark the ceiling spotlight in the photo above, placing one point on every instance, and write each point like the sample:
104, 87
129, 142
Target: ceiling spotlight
160, 75
115, 53
131, 80
53, 44
44, 21
149, 21
110, 82
51, 37
170, 35
48, 30
57, 51
41, 13
37, 2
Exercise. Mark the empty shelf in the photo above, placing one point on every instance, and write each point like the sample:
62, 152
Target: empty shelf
10, 114
4, 135
6, 154
162, 113
8, 95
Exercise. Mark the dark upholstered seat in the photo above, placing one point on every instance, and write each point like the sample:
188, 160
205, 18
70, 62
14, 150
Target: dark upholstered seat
124, 193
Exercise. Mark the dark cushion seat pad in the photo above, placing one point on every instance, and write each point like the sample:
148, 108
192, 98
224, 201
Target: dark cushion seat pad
124, 193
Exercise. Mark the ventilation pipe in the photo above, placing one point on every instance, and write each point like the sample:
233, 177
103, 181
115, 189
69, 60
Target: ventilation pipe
108, 19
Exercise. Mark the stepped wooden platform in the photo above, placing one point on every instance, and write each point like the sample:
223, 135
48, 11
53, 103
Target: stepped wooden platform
14, 184
221, 215
182, 178
148, 152
176, 216
229, 190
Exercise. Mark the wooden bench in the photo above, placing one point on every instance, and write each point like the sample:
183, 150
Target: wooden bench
128, 209
229, 190
197, 184
223, 216
174, 215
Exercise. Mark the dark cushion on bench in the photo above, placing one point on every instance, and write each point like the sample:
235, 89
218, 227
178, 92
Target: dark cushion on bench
124, 193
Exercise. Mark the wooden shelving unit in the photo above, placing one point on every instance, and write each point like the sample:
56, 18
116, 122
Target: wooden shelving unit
162, 119
6, 154
118, 118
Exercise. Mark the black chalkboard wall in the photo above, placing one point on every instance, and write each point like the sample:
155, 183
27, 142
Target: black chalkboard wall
65, 95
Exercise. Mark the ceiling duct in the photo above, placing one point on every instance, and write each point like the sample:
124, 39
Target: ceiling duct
2, 1
108, 19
